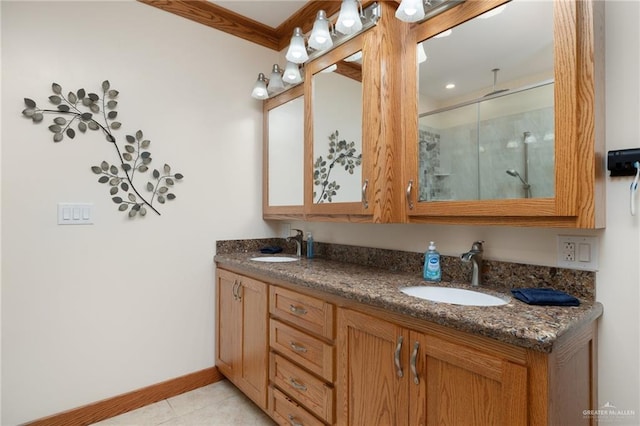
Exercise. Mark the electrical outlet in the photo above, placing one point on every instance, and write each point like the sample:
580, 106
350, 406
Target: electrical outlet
568, 251
578, 252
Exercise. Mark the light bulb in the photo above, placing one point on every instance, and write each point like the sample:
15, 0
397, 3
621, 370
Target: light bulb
260, 88
275, 82
297, 53
320, 38
349, 18
291, 73
410, 11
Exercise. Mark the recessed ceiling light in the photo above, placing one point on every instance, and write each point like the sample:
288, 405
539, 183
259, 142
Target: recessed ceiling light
450, 86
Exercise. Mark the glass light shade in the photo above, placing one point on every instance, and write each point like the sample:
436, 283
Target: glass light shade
297, 53
292, 73
320, 38
275, 82
260, 88
349, 18
330, 68
410, 11
529, 138
422, 54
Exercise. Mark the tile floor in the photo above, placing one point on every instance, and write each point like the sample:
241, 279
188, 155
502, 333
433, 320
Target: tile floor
219, 404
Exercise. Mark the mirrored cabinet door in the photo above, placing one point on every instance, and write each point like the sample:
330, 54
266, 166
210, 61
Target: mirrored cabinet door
283, 190
486, 107
337, 136
337, 159
494, 110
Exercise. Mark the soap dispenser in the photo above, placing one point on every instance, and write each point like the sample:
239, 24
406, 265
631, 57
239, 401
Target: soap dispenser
431, 270
310, 248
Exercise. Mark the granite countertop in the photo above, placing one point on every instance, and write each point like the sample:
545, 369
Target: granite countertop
517, 323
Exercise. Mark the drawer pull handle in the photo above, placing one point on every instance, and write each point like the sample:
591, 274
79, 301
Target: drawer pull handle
414, 359
409, 188
234, 290
297, 310
293, 421
297, 385
396, 357
298, 348
365, 203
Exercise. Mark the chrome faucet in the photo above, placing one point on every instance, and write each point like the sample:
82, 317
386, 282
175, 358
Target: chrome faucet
298, 239
475, 257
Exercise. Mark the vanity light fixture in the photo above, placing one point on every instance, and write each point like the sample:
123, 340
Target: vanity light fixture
291, 73
320, 38
410, 11
422, 54
356, 57
450, 86
275, 81
350, 18
260, 88
419, 10
330, 68
297, 53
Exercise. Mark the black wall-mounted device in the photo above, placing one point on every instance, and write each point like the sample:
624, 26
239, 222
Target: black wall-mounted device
620, 162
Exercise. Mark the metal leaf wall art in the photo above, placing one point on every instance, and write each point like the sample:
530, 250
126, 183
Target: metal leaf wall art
341, 153
89, 111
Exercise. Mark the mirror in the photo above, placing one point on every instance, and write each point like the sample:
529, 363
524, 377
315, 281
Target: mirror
285, 153
486, 107
337, 132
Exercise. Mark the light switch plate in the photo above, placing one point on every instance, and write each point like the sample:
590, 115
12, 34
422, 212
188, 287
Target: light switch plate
578, 252
75, 214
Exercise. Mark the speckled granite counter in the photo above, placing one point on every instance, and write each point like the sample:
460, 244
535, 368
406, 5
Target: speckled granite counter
534, 327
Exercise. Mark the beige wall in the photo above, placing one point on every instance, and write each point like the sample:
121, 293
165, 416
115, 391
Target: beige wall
92, 312
89, 312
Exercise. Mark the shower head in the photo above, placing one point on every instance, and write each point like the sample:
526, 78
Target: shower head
495, 80
525, 184
514, 173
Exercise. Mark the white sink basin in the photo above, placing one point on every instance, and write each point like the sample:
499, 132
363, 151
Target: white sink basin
275, 259
455, 296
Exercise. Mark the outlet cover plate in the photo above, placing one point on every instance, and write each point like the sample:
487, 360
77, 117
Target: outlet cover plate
578, 252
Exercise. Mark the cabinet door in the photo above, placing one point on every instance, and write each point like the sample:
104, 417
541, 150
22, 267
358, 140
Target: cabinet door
228, 323
242, 343
459, 385
372, 371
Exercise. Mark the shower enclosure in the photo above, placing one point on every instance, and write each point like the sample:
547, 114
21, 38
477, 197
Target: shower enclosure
495, 147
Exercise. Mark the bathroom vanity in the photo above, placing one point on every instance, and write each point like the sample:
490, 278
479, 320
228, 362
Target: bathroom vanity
325, 342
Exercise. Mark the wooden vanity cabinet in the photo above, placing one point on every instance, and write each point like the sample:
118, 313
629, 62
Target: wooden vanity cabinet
390, 374
242, 346
302, 356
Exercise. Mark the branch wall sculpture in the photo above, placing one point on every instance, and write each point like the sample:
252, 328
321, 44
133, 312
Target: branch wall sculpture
89, 111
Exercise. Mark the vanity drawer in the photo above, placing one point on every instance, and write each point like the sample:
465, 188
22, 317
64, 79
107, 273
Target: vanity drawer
304, 311
311, 353
313, 393
287, 412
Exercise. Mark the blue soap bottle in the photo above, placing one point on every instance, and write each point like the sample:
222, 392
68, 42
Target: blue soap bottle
431, 270
310, 248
